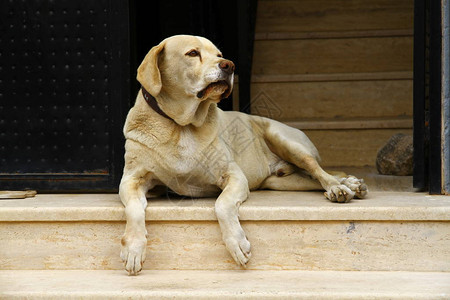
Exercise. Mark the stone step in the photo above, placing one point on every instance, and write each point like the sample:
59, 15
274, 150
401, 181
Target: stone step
242, 284
389, 231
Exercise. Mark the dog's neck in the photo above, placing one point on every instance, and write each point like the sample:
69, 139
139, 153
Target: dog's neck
151, 101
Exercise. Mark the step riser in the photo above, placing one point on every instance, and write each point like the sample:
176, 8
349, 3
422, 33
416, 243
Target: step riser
294, 245
350, 99
311, 15
358, 55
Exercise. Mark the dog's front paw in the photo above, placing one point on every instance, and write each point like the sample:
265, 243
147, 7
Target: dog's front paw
133, 252
339, 193
356, 185
239, 249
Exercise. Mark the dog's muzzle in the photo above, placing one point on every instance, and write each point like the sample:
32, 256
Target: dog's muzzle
226, 84
227, 67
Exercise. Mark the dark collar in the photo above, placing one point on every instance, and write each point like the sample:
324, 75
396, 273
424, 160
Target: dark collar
151, 101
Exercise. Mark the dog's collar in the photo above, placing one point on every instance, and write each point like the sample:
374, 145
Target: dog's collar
151, 101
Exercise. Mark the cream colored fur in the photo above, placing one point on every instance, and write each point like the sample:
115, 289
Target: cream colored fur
204, 151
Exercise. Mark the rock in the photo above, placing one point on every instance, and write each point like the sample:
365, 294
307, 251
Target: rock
396, 157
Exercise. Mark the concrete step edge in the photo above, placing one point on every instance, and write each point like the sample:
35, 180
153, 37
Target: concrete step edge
164, 284
261, 206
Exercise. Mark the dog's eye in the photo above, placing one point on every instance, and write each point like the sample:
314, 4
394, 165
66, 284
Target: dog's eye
193, 53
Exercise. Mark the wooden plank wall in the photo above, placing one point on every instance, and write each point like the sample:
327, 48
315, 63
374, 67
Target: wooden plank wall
339, 70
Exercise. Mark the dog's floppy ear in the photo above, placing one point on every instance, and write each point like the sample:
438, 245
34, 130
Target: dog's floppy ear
148, 72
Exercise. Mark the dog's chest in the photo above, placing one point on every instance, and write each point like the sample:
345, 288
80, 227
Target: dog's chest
194, 171
185, 155
195, 155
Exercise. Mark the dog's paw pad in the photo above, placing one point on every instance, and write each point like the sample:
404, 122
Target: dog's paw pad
339, 193
358, 186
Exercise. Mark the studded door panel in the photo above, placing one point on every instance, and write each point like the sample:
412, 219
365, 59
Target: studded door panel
63, 92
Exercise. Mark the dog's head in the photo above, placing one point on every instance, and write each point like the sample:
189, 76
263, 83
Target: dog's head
186, 74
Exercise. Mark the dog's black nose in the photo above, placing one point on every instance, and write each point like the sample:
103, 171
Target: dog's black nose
227, 66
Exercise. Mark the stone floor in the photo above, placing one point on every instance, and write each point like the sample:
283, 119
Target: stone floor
223, 285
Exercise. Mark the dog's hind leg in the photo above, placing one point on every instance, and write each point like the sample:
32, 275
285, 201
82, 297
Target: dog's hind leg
293, 146
300, 182
292, 182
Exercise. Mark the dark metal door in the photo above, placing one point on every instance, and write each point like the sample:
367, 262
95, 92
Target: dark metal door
64, 93
65, 89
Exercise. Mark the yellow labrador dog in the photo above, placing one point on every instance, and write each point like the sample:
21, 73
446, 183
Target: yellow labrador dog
177, 137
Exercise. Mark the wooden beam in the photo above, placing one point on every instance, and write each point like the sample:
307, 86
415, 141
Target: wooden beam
260, 36
334, 77
376, 123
